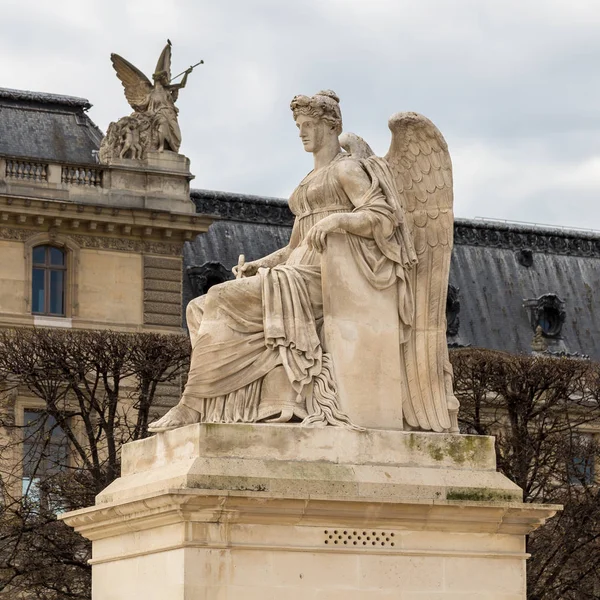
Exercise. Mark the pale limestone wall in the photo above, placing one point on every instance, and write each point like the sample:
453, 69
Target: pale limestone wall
257, 574
12, 276
111, 287
264, 512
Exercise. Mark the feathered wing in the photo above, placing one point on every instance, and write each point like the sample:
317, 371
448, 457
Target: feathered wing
137, 85
164, 61
419, 159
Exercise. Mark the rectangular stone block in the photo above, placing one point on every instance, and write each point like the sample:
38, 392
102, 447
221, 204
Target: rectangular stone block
162, 285
271, 512
162, 274
163, 308
161, 262
162, 320
163, 297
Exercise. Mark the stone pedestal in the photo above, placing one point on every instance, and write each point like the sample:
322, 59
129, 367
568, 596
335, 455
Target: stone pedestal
265, 512
160, 182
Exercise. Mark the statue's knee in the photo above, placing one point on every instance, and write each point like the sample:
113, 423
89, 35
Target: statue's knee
195, 309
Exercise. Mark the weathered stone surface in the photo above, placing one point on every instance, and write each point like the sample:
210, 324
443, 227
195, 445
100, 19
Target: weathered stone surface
163, 308
165, 297
162, 320
280, 511
162, 285
161, 262
163, 274
369, 258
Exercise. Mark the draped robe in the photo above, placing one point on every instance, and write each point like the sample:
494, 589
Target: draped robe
243, 329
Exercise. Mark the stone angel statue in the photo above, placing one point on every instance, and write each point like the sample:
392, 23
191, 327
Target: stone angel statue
345, 325
153, 125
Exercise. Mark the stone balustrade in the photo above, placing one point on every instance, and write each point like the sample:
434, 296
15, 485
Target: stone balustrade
159, 182
73, 175
26, 170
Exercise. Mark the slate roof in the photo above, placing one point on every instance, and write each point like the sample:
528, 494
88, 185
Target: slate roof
487, 267
48, 127
494, 281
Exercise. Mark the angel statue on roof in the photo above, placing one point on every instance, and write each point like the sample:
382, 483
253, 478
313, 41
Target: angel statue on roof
153, 125
345, 326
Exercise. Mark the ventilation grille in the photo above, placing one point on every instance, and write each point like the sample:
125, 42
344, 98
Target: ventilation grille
362, 538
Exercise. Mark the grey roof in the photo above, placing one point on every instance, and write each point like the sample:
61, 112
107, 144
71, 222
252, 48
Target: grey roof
243, 207
493, 281
47, 127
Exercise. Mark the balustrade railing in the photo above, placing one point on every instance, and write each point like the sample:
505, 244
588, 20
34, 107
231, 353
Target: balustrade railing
81, 176
26, 170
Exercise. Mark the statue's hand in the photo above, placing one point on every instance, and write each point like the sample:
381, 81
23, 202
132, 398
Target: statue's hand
248, 269
317, 234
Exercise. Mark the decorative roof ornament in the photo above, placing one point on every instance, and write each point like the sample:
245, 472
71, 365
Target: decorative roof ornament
548, 313
539, 343
153, 125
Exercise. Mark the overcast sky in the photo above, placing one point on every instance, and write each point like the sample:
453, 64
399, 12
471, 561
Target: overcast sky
514, 85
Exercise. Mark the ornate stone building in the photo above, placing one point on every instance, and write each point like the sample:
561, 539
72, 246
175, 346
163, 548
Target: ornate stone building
84, 245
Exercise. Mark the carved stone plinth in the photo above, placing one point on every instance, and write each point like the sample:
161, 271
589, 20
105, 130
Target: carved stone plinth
159, 182
263, 512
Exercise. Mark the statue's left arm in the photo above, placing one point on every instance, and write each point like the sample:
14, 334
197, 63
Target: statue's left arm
362, 192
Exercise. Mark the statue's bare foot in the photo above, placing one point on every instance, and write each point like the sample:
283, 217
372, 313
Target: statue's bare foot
178, 416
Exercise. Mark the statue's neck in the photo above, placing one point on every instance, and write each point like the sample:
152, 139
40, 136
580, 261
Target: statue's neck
324, 155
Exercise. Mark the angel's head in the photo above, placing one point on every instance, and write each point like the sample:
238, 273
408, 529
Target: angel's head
161, 77
318, 118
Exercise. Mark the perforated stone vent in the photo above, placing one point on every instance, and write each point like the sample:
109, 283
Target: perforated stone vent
357, 537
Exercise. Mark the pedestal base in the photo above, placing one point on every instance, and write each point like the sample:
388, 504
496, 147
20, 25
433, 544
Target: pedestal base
159, 182
264, 512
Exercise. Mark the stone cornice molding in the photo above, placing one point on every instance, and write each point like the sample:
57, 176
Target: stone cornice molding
467, 232
252, 507
101, 242
242, 207
21, 217
546, 240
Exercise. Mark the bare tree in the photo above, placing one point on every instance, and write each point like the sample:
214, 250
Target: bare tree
94, 390
540, 409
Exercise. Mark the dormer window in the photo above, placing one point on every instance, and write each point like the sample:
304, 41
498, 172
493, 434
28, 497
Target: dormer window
48, 281
548, 313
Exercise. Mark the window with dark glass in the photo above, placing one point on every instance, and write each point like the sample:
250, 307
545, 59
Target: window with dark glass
48, 281
581, 470
45, 451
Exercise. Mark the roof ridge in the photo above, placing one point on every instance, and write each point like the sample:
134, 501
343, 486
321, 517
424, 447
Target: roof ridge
44, 98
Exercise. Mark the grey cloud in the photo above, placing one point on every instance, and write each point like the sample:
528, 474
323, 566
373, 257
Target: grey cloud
511, 85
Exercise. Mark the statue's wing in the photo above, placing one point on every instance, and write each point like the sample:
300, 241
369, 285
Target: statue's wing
419, 159
164, 61
355, 145
136, 84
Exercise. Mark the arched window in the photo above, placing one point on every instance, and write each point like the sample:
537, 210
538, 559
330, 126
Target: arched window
48, 281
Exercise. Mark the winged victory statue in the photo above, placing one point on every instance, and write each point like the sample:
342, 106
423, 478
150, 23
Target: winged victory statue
153, 125
346, 325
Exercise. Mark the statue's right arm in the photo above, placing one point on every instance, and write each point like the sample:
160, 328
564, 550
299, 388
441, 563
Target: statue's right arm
275, 258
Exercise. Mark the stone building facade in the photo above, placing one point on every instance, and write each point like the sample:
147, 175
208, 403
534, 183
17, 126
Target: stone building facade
81, 245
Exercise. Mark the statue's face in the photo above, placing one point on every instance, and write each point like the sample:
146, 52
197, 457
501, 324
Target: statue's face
312, 132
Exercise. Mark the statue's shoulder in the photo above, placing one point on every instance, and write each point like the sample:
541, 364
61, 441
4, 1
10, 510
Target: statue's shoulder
348, 167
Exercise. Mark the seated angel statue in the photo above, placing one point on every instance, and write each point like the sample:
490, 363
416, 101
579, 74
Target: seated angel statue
258, 351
